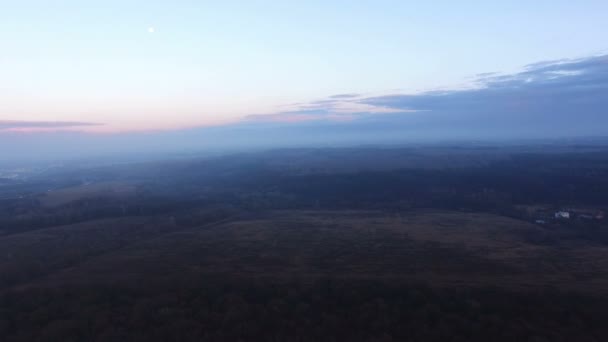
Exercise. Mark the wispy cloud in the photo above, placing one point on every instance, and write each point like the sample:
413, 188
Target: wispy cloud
346, 107
565, 86
554, 98
285, 117
345, 96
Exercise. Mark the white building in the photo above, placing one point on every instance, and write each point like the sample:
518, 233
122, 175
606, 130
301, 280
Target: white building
562, 215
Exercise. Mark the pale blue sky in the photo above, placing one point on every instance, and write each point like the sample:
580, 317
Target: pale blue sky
216, 61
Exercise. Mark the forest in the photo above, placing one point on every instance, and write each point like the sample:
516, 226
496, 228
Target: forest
423, 243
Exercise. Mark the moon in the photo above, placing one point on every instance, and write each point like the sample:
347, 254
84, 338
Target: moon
151, 29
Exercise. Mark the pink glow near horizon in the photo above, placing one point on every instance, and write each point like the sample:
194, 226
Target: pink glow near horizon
339, 110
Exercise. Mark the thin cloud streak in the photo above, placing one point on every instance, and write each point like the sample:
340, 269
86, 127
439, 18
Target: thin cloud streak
16, 124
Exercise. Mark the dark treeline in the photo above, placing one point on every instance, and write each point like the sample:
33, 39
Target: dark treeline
557, 180
525, 180
324, 310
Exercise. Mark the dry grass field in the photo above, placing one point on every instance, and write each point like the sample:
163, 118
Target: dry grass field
108, 190
440, 248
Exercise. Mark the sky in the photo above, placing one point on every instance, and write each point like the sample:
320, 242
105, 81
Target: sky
122, 67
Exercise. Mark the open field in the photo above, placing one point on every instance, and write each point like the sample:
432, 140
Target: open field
441, 248
357, 275
106, 190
